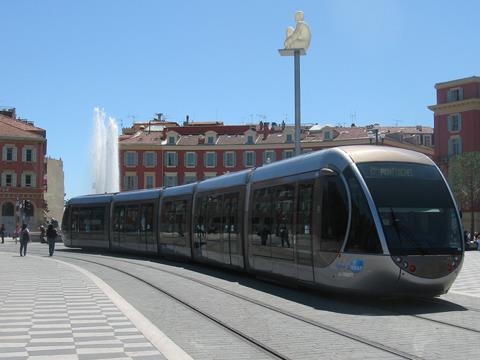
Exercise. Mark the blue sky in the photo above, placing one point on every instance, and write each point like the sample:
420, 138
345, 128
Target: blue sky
218, 60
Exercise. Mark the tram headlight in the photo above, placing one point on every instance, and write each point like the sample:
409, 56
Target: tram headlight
405, 264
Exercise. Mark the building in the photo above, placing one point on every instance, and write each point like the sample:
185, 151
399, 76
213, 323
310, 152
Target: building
155, 154
22, 168
457, 132
55, 189
457, 117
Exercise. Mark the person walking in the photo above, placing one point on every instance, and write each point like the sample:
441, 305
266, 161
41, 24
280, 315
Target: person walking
2, 233
51, 237
16, 233
24, 239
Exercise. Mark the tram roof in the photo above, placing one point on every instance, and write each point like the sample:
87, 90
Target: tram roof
375, 153
91, 199
186, 189
225, 181
138, 195
297, 165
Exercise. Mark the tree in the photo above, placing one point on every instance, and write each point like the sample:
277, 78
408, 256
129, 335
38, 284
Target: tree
464, 179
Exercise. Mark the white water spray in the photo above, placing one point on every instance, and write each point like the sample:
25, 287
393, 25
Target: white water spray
105, 164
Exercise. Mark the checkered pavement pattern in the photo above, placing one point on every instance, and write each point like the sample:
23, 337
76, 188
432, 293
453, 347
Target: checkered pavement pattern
468, 281
49, 311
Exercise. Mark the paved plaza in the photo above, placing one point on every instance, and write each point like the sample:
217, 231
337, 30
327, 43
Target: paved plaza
53, 311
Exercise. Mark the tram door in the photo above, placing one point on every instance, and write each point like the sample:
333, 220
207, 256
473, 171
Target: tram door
147, 236
118, 225
231, 234
304, 231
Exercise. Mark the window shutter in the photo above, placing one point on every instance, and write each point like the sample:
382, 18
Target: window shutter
4, 153
24, 154
14, 154
34, 180
460, 94
14, 180
34, 155
4, 179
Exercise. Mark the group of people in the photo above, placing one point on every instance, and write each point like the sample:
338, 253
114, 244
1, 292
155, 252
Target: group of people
471, 239
23, 234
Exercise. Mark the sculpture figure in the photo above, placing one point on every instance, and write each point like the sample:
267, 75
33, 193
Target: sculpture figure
298, 38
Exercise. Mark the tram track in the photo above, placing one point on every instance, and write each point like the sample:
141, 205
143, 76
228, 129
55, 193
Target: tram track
298, 317
241, 334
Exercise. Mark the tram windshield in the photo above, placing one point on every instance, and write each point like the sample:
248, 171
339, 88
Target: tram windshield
417, 212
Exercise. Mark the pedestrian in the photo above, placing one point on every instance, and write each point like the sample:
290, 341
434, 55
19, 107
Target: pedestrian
24, 239
2, 233
16, 233
478, 242
51, 237
42, 234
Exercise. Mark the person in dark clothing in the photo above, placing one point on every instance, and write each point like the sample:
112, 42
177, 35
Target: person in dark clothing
2, 233
24, 239
51, 237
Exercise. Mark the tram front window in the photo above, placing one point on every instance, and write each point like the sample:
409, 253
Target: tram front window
417, 212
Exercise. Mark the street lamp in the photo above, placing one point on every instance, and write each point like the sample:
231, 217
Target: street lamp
297, 43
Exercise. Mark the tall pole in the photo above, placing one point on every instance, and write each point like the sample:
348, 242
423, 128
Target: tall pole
297, 102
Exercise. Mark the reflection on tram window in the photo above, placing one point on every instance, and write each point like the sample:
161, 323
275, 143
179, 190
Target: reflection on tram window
89, 219
334, 216
131, 218
118, 218
304, 209
146, 218
272, 216
173, 222
363, 235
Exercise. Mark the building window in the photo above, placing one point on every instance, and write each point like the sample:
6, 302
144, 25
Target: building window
427, 140
454, 122
455, 146
170, 180
189, 178
250, 139
268, 156
28, 180
287, 154
9, 179
190, 159
131, 158
8, 209
210, 140
171, 159
455, 94
249, 158
327, 135
9, 153
172, 140
149, 159
229, 159
130, 182
289, 138
149, 181
210, 159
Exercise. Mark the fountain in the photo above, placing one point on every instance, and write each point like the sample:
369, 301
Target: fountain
105, 166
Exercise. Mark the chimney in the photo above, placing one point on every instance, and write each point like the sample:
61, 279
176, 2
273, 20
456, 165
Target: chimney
187, 121
265, 130
419, 127
261, 125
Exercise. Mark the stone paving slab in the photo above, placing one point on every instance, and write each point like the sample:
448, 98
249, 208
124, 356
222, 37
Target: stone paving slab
468, 281
50, 311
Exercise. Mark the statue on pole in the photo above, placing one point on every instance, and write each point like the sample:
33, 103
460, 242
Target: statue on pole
298, 38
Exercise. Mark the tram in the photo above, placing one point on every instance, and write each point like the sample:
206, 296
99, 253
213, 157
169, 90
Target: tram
363, 219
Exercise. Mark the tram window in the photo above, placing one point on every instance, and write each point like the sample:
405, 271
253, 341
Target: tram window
118, 218
214, 217
283, 200
230, 204
261, 220
173, 221
334, 215
363, 234
74, 224
305, 207
91, 219
66, 219
131, 218
200, 217
146, 218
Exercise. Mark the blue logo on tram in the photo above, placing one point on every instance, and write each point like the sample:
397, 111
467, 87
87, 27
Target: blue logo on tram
356, 265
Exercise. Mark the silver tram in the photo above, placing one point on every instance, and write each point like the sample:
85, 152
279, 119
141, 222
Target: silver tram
368, 219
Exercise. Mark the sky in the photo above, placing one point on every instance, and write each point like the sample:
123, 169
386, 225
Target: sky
370, 61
